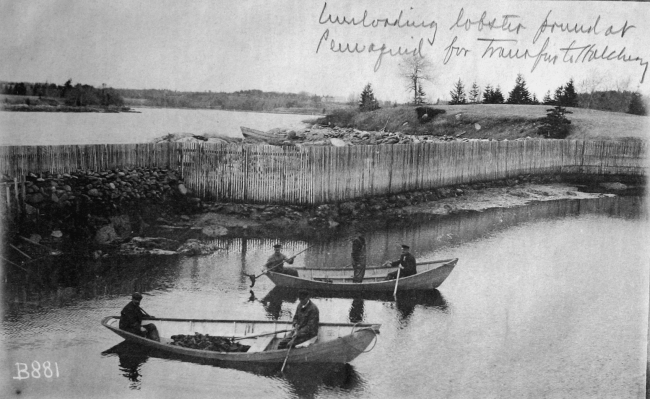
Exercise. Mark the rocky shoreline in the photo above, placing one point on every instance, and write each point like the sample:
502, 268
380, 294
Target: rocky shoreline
149, 211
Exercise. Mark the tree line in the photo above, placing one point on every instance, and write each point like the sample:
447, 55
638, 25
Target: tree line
564, 95
80, 95
246, 100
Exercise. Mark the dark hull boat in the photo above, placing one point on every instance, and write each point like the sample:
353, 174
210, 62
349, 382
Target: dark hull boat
429, 275
336, 342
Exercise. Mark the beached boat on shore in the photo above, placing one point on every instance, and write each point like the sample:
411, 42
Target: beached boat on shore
260, 137
429, 275
336, 342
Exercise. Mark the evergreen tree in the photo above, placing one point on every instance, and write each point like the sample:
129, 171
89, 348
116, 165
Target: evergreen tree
519, 94
570, 96
475, 94
487, 94
558, 97
547, 98
534, 100
555, 125
420, 97
497, 96
368, 101
458, 94
637, 107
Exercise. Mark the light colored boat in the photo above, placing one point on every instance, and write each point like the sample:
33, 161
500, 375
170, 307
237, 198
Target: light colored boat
429, 275
335, 343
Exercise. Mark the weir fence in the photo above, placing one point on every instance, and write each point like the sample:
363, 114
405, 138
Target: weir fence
319, 174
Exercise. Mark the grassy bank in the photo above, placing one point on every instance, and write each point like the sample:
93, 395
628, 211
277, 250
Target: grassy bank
484, 121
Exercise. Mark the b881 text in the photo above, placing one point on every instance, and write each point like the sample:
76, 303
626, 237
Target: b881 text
37, 370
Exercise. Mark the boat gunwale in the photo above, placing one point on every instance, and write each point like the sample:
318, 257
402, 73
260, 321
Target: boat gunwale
260, 356
444, 263
450, 262
288, 322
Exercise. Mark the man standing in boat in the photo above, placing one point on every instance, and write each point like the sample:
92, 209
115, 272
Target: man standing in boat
406, 262
276, 261
358, 256
132, 316
305, 323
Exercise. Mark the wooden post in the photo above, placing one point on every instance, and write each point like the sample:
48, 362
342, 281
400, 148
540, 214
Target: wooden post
18, 207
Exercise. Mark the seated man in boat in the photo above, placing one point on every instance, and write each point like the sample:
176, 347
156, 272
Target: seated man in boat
305, 322
276, 261
406, 263
358, 256
132, 316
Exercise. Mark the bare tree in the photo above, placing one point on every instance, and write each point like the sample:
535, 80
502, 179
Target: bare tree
352, 99
415, 69
591, 84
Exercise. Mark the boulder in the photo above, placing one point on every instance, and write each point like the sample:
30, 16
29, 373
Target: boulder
196, 247
122, 225
106, 235
613, 186
214, 231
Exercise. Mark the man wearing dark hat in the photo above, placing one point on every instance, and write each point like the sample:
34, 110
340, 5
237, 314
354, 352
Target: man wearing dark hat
132, 316
305, 322
358, 256
406, 262
276, 261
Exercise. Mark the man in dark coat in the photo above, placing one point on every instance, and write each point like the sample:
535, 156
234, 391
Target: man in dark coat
358, 256
275, 263
406, 262
305, 322
132, 316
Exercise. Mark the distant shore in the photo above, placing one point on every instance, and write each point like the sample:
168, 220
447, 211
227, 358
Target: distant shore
63, 108
282, 111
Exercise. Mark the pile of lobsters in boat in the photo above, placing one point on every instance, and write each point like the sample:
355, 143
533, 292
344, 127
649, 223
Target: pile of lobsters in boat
208, 343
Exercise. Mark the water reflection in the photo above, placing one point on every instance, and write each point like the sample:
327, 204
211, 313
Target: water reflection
60, 280
131, 358
405, 302
301, 380
272, 302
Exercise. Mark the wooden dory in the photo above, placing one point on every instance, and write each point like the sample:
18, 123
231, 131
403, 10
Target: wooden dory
258, 136
429, 275
336, 343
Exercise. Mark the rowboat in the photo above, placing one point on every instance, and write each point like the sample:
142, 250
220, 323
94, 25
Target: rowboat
429, 275
258, 136
335, 343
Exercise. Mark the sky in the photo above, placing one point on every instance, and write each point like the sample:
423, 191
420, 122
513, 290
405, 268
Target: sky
293, 46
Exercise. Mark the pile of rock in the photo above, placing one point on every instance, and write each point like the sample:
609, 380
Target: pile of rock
105, 189
341, 137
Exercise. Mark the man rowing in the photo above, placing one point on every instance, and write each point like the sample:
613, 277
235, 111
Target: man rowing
132, 316
305, 322
406, 263
358, 256
275, 263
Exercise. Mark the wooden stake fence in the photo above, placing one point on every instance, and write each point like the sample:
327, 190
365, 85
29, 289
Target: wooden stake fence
314, 175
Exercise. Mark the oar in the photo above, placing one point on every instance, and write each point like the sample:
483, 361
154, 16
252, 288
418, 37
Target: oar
145, 313
261, 335
288, 351
397, 281
254, 277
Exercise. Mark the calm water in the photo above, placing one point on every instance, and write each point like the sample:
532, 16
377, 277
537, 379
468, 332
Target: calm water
548, 300
53, 128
